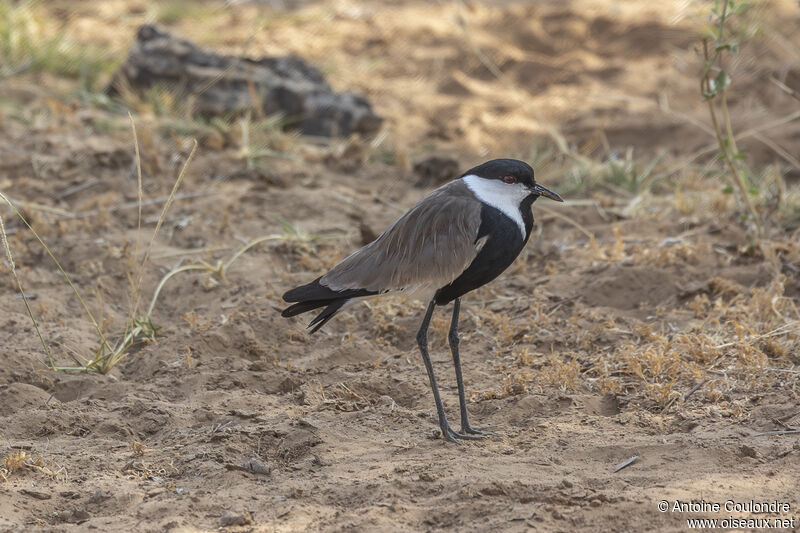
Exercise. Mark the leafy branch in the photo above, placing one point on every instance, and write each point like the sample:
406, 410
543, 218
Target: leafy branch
714, 85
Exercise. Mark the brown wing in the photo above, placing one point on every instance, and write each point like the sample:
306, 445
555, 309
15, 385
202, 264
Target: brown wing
429, 246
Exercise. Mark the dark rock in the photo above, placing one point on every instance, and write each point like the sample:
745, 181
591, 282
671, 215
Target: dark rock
435, 170
218, 85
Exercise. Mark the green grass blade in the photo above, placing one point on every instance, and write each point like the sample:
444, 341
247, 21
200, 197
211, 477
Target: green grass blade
22, 293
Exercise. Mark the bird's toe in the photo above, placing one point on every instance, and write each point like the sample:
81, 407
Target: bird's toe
481, 431
464, 436
450, 436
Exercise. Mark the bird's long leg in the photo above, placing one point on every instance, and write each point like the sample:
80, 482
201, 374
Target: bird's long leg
422, 341
452, 337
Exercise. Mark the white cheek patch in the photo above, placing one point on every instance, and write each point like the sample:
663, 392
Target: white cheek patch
505, 197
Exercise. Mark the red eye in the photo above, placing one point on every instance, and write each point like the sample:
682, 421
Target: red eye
509, 179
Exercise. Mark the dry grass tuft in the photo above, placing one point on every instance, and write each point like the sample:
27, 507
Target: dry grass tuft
20, 460
344, 397
559, 373
731, 340
137, 448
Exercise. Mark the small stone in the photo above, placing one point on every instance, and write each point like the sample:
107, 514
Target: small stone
748, 451
75, 516
36, 494
231, 518
427, 476
100, 496
255, 466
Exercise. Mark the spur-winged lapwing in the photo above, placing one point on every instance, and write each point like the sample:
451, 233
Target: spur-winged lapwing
458, 238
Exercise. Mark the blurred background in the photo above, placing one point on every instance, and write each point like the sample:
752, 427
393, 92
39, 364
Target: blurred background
614, 82
653, 315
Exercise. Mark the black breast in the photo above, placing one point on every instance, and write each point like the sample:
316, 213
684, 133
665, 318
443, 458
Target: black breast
503, 245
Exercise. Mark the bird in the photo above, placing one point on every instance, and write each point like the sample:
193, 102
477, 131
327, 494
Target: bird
459, 237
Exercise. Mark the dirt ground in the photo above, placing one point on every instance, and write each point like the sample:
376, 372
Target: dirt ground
639, 321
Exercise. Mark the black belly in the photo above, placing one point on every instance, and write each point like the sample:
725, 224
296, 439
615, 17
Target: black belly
503, 245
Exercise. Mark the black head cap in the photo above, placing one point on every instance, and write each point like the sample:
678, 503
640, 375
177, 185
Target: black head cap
513, 171
497, 169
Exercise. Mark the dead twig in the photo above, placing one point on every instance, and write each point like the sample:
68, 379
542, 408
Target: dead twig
626, 463
785, 88
779, 432
694, 389
75, 188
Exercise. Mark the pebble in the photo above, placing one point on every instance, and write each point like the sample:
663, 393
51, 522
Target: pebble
231, 518
255, 466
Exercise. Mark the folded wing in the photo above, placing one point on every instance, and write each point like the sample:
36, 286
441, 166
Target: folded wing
426, 248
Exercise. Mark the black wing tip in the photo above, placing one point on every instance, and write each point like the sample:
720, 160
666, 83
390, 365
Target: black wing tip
326, 314
316, 291
303, 307
331, 308
309, 291
315, 295
316, 328
294, 295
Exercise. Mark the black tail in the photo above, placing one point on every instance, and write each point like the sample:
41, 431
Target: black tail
315, 295
304, 307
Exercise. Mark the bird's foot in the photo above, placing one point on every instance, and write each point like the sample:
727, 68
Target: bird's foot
450, 435
469, 430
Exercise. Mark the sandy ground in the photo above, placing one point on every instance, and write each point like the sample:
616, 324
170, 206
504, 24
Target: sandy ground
654, 338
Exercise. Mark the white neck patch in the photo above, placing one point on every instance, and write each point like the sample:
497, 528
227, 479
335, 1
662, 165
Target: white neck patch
505, 197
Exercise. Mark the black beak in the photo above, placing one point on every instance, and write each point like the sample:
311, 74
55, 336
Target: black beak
547, 193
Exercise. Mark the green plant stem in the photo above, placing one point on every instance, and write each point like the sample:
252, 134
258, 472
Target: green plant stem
247, 247
167, 277
22, 293
60, 269
730, 149
722, 18
723, 101
161, 221
133, 310
738, 178
221, 270
710, 62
